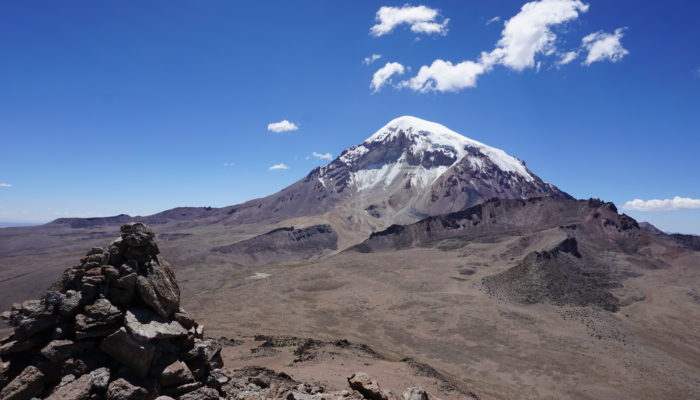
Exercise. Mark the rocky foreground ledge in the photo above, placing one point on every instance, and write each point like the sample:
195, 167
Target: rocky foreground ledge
112, 328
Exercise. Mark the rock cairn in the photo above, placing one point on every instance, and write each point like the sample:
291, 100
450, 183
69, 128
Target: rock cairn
111, 328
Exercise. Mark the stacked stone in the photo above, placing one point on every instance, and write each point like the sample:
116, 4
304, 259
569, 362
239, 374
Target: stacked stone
111, 328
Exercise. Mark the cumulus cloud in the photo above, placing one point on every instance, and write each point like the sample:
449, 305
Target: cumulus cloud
322, 156
421, 19
525, 36
282, 126
525, 39
492, 20
278, 167
604, 46
529, 32
369, 60
567, 57
676, 203
384, 74
443, 76
5, 185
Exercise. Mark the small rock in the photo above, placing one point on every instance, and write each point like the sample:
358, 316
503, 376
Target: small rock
176, 374
16, 346
182, 389
366, 386
121, 389
29, 383
4, 367
59, 350
100, 379
95, 250
66, 380
203, 393
217, 378
123, 289
184, 319
129, 351
110, 273
70, 303
32, 307
159, 289
53, 298
415, 393
145, 325
99, 314
136, 234
78, 389
29, 326
204, 357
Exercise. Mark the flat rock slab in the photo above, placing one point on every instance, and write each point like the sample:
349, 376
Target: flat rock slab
121, 389
159, 289
79, 389
28, 384
59, 350
366, 386
134, 354
145, 325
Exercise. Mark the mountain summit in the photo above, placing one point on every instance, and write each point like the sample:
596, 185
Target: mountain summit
409, 169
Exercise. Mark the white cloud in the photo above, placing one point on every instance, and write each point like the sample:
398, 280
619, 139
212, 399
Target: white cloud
282, 126
524, 36
676, 203
229, 164
431, 27
322, 156
492, 20
422, 19
443, 76
529, 32
278, 167
369, 60
384, 74
5, 185
567, 57
604, 46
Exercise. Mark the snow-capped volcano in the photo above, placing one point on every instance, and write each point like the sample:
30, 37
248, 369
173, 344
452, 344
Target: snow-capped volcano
408, 169
418, 152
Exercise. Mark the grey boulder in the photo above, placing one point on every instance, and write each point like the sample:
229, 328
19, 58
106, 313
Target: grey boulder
159, 289
134, 354
415, 393
145, 325
28, 384
121, 389
59, 350
79, 389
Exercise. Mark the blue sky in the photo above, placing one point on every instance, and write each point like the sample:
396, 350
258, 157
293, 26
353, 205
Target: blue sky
137, 107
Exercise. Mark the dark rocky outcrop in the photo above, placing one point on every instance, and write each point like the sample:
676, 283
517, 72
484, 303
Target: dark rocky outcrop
283, 245
689, 242
598, 220
561, 276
